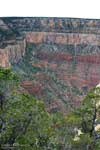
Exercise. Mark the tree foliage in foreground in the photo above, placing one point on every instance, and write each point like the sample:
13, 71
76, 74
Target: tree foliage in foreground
25, 124
88, 122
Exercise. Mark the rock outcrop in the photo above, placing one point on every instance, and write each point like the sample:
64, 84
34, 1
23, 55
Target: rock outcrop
4, 58
16, 51
12, 53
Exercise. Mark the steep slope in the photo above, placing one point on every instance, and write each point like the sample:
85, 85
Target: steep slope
58, 58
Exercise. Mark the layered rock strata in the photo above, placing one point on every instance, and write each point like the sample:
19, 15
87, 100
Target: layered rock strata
12, 53
59, 57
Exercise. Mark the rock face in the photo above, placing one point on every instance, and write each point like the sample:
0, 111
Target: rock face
62, 38
16, 51
4, 58
58, 58
12, 53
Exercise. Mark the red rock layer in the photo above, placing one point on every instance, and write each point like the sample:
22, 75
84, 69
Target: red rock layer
62, 38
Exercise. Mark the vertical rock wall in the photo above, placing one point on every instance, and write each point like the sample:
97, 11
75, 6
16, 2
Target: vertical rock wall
12, 53
4, 58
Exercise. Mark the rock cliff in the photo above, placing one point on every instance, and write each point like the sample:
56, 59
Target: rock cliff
62, 38
59, 57
12, 53
4, 58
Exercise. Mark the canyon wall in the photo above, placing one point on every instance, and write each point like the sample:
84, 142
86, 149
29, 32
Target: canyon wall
12, 53
4, 58
59, 57
62, 38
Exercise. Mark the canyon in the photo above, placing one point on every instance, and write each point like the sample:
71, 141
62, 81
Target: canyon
12, 53
57, 58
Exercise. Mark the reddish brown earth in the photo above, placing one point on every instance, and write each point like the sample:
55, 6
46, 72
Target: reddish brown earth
62, 38
76, 71
58, 58
81, 75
